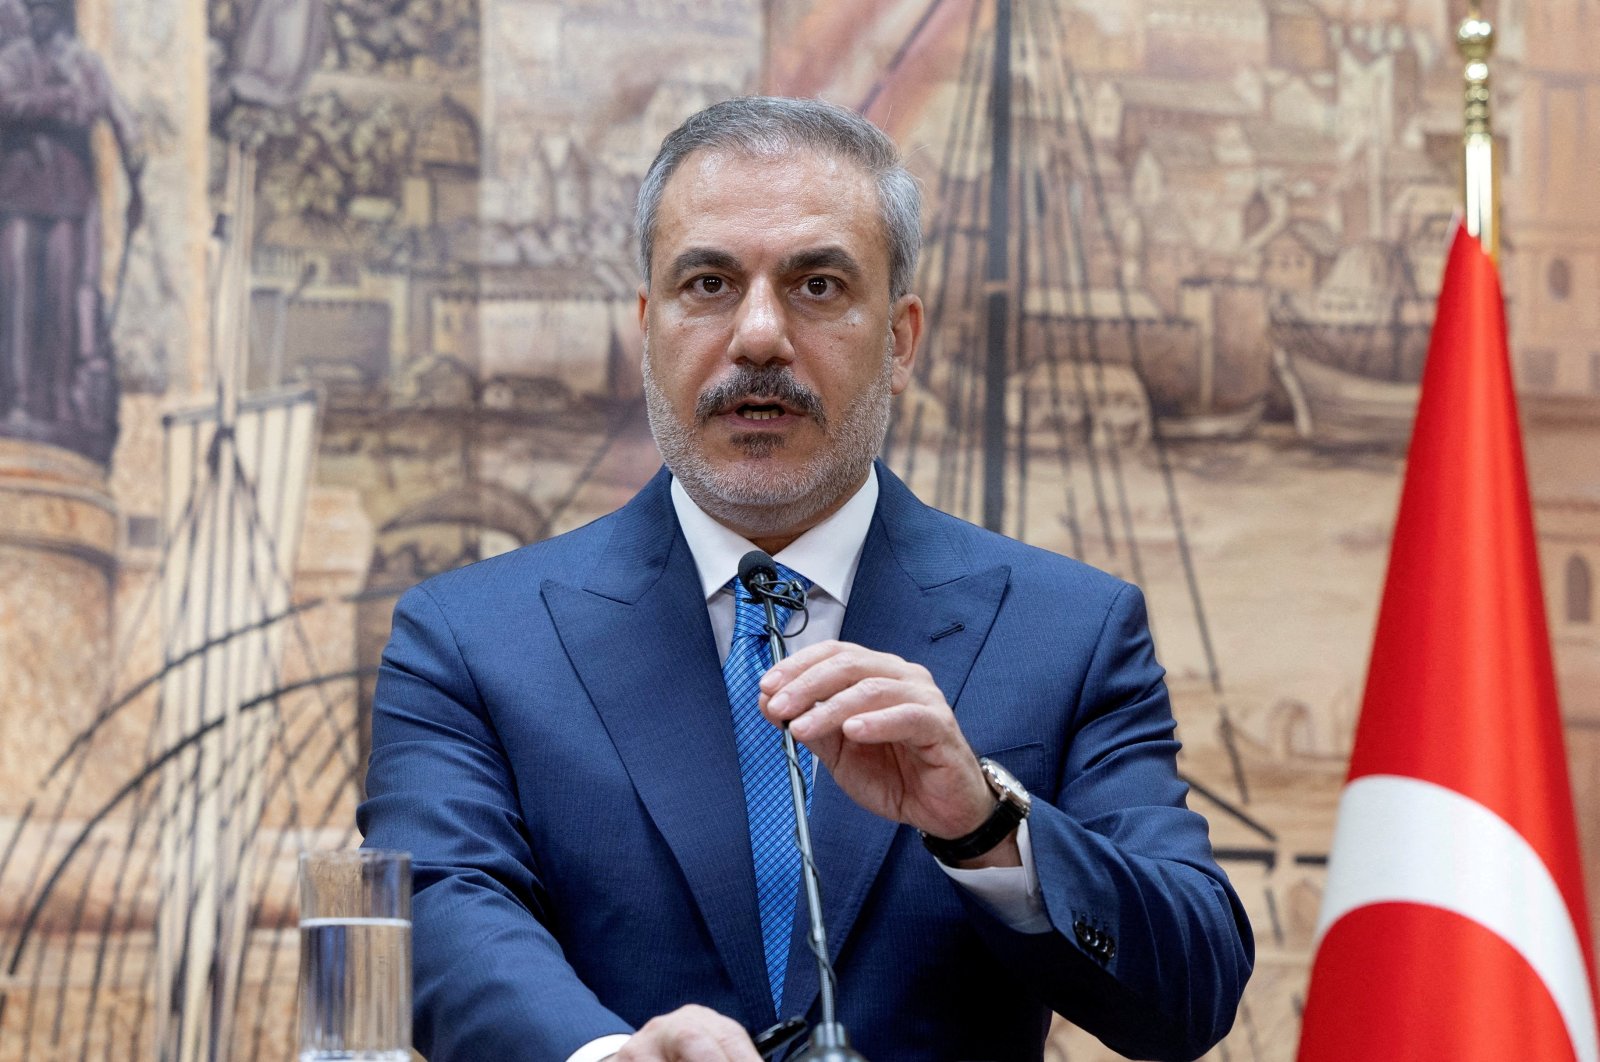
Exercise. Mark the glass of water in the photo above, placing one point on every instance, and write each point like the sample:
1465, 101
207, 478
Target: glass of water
355, 956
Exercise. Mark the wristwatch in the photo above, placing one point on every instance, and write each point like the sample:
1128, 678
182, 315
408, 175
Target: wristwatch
1013, 805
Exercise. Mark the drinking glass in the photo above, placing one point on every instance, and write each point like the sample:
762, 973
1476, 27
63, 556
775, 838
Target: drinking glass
355, 956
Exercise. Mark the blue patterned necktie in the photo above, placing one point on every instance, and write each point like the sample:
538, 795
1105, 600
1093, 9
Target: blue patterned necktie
765, 774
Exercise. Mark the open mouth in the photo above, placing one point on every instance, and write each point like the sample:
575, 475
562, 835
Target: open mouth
758, 397
759, 408
760, 411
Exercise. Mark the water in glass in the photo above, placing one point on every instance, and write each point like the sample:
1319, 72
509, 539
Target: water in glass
356, 974
355, 957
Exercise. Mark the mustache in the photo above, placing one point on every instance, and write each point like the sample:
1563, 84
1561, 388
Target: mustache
765, 381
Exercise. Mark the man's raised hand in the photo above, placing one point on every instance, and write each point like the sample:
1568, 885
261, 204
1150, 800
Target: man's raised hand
881, 726
689, 1034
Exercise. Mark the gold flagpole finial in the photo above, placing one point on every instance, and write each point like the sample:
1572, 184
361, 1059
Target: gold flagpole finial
1475, 42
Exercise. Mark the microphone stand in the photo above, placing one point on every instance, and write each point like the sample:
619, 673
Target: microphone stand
828, 1042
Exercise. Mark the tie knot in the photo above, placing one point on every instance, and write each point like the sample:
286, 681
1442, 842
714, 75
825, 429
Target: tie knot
750, 615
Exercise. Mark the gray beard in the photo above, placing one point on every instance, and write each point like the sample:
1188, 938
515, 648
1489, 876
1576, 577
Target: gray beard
757, 502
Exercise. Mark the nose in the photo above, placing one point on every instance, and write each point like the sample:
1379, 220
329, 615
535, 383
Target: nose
761, 327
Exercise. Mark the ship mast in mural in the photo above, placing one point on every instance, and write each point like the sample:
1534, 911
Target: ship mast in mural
171, 874
1083, 334
1177, 268
1037, 368
139, 917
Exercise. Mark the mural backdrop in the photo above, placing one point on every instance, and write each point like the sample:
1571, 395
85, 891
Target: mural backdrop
302, 301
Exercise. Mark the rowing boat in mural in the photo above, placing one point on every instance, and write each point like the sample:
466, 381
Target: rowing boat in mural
1204, 369
1349, 354
1338, 409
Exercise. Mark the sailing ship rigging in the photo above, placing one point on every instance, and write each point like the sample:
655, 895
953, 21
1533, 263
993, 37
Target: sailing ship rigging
1039, 369
1061, 381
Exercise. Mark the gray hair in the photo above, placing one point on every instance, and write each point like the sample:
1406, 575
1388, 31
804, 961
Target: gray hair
767, 126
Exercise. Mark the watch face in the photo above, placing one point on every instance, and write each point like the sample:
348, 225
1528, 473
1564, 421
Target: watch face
1005, 786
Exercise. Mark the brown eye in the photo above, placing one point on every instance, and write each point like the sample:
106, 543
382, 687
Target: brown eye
710, 285
819, 286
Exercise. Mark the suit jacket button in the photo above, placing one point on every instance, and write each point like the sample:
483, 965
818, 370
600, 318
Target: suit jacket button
1097, 942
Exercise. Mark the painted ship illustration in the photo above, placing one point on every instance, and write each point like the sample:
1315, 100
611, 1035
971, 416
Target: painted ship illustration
1349, 354
1340, 361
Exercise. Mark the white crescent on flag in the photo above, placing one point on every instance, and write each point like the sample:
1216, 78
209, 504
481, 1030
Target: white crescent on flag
1403, 840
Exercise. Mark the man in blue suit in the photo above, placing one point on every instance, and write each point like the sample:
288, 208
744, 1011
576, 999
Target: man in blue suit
561, 739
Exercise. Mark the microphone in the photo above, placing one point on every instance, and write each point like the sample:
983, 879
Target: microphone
758, 573
757, 570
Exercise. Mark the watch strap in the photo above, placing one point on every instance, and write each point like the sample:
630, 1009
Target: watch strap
996, 828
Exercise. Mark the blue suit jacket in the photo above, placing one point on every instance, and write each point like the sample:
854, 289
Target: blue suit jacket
552, 741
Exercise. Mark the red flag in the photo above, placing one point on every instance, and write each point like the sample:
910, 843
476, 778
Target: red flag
1454, 925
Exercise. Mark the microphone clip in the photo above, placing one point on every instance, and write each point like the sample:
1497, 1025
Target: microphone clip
758, 574
784, 593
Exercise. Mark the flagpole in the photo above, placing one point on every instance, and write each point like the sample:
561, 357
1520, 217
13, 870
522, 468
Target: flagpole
1454, 923
1475, 42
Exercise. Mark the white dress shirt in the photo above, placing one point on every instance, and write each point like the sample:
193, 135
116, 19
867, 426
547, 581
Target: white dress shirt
828, 555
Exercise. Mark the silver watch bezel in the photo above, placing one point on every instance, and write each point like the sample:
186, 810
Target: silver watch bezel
1005, 785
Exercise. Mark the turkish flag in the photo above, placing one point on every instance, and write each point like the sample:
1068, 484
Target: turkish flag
1454, 924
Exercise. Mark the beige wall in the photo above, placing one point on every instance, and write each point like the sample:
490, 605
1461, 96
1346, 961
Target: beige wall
1206, 181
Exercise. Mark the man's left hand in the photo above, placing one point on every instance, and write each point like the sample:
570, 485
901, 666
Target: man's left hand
882, 728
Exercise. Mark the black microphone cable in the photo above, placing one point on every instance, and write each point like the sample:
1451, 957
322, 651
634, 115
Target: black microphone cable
758, 573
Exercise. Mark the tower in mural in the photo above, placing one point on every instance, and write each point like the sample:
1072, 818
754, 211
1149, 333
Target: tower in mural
58, 395
143, 867
57, 380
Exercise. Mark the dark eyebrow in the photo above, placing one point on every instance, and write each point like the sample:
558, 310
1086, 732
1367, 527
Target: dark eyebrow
697, 258
835, 258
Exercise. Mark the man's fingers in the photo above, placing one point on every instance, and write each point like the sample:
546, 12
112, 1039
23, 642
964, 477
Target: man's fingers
913, 725
787, 669
689, 1034
796, 689
873, 693
824, 658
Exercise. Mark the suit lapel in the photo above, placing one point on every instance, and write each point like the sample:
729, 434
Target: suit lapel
918, 596
638, 635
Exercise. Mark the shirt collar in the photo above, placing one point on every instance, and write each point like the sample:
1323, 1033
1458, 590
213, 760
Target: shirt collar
827, 554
